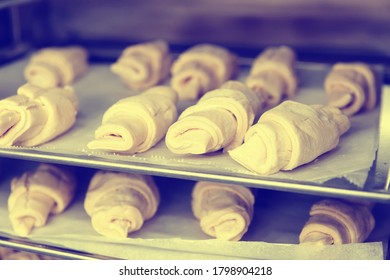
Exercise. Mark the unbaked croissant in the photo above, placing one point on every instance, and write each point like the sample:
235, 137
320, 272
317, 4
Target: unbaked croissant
219, 120
334, 221
36, 195
4, 251
351, 87
56, 67
22, 255
289, 135
35, 115
9, 254
119, 203
272, 75
135, 124
200, 69
144, 65
225, 211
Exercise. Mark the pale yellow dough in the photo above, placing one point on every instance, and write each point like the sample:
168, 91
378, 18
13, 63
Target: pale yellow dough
202, 68
272, 75
137, 123
56, 67
144, 65
289, 135
351, 87
35, 115
219, 120
334, 221
36, 195
225, 211
119, 203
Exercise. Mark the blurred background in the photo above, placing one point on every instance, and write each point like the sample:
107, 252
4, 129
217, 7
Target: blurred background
322, 30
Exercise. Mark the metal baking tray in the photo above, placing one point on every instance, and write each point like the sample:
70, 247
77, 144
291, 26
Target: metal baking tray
174, 233
99, 89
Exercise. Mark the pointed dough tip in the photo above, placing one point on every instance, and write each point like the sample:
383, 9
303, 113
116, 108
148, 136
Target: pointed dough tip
230, 229
24, 226
317, 238
195, 141
121, 228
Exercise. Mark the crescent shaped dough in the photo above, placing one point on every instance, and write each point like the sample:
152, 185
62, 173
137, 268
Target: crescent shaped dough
35, 115
202, 68
119, 203
272, 75
289, 135
219, 120
144, 65
225, 211
335, 221
56, 67
137, 123
36, 195
351, 87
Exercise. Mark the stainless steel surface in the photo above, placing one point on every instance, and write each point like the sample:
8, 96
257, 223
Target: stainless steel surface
379, 195
382, 170
49, 250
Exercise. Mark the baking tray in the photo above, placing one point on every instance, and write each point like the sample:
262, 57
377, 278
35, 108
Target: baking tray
174, 233
332, 174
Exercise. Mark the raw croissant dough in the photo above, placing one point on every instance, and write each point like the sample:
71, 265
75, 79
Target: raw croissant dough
335, 221
144, 65
137, 123
289, 135
200, 69
56, 67
219, 120
4, 251
225, 211
351, 87
36, 195
119, 203
10, 254
20, 255
272, 75
35, 116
